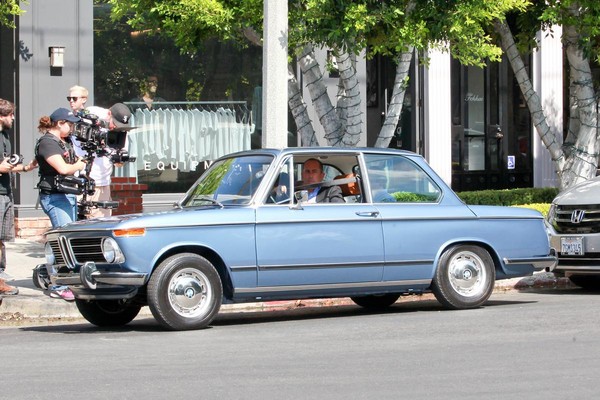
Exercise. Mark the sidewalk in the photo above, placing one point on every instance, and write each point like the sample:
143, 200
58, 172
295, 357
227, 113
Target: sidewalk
31, 303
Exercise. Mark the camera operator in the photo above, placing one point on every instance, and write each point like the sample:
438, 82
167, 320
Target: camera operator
115, 118
10, 163
56, 158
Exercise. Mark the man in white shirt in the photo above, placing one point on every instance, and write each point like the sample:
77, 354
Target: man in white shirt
116, 117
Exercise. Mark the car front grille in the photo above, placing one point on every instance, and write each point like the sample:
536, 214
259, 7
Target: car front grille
76, 251
579, 219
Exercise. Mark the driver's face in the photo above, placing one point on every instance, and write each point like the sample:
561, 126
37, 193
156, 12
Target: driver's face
312, 172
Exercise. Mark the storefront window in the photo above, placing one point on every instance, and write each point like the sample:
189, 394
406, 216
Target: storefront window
474, 107
203, 101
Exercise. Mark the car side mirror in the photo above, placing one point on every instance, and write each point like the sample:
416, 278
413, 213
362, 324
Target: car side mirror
301, 196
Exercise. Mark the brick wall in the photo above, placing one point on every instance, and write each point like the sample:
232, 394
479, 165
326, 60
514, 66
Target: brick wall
129, 195
124, 190
31, 228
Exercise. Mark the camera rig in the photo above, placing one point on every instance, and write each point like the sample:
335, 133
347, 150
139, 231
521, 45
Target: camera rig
97, 141
14, 159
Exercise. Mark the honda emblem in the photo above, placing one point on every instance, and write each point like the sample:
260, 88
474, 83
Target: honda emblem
577, 216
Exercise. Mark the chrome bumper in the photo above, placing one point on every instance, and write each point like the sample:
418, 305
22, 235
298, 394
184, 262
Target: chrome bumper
90, 277
538, 263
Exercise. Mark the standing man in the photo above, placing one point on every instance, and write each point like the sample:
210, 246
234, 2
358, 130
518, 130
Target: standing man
77, 98
148, 89
7, 215
114, 118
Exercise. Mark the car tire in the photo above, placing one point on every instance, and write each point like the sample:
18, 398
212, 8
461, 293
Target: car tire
464, 277
376, 302
185, 292
107, 312
587, 282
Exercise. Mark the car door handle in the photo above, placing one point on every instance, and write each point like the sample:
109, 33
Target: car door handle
367, 213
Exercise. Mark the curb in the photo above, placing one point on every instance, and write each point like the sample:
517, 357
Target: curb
30, 306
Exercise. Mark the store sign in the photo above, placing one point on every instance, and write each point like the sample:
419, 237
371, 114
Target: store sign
161, 166
474, 98
510, 162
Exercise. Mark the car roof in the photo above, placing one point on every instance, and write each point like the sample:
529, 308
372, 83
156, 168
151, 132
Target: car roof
324, 150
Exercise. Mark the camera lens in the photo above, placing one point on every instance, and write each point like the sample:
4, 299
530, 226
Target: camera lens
15, 159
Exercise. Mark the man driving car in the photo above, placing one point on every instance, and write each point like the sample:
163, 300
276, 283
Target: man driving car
312, 173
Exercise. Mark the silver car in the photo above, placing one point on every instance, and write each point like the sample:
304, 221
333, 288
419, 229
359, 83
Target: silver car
574, 225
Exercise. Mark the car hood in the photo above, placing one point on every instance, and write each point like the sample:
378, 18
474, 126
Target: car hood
178, 217
587, 192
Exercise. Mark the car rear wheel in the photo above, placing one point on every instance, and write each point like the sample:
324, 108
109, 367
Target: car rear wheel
108, 312
376, 302
185, 292
464, 277
588, 282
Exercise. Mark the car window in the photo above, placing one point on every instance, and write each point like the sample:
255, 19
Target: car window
229, 181
394, 178
338, 170
280, 191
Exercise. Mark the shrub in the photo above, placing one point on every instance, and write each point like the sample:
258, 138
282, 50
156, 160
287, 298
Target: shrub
409, 197
509, 197
541, 207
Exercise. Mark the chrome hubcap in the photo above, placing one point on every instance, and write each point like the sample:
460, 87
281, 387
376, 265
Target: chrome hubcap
467, 274
189, 292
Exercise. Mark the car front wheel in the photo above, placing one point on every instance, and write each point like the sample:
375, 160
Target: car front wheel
464, 277
107, 312
185, 292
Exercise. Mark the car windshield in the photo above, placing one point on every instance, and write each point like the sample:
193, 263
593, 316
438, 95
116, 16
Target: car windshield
228, 181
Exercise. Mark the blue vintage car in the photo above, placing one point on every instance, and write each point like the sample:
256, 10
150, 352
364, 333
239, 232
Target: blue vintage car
251, 230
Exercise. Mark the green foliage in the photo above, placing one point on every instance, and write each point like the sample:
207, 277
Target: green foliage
386, 27
410, 197
199, 75
509, 197
583, 16
189, 22
541, 207
8, 10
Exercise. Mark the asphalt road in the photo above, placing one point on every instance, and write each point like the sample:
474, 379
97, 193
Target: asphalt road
533, 345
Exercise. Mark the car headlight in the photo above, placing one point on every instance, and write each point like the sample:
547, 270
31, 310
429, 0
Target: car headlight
50, 258
111, 251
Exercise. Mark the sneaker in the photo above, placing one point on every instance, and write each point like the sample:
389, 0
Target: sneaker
64, 294
7, 290
6, 277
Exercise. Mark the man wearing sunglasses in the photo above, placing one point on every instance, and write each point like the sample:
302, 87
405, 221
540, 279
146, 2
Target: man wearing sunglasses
77, 97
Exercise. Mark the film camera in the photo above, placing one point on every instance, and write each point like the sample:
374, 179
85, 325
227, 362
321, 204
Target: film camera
97, 139
14, 159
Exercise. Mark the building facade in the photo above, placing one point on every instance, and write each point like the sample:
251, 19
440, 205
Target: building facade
470, 123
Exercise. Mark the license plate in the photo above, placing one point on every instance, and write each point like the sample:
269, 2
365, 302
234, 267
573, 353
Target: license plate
572, 246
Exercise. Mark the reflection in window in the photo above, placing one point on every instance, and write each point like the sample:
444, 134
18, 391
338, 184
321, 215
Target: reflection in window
397, 179
229, 181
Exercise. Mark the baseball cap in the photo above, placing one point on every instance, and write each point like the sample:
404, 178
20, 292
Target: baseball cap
62, 114
120, 115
